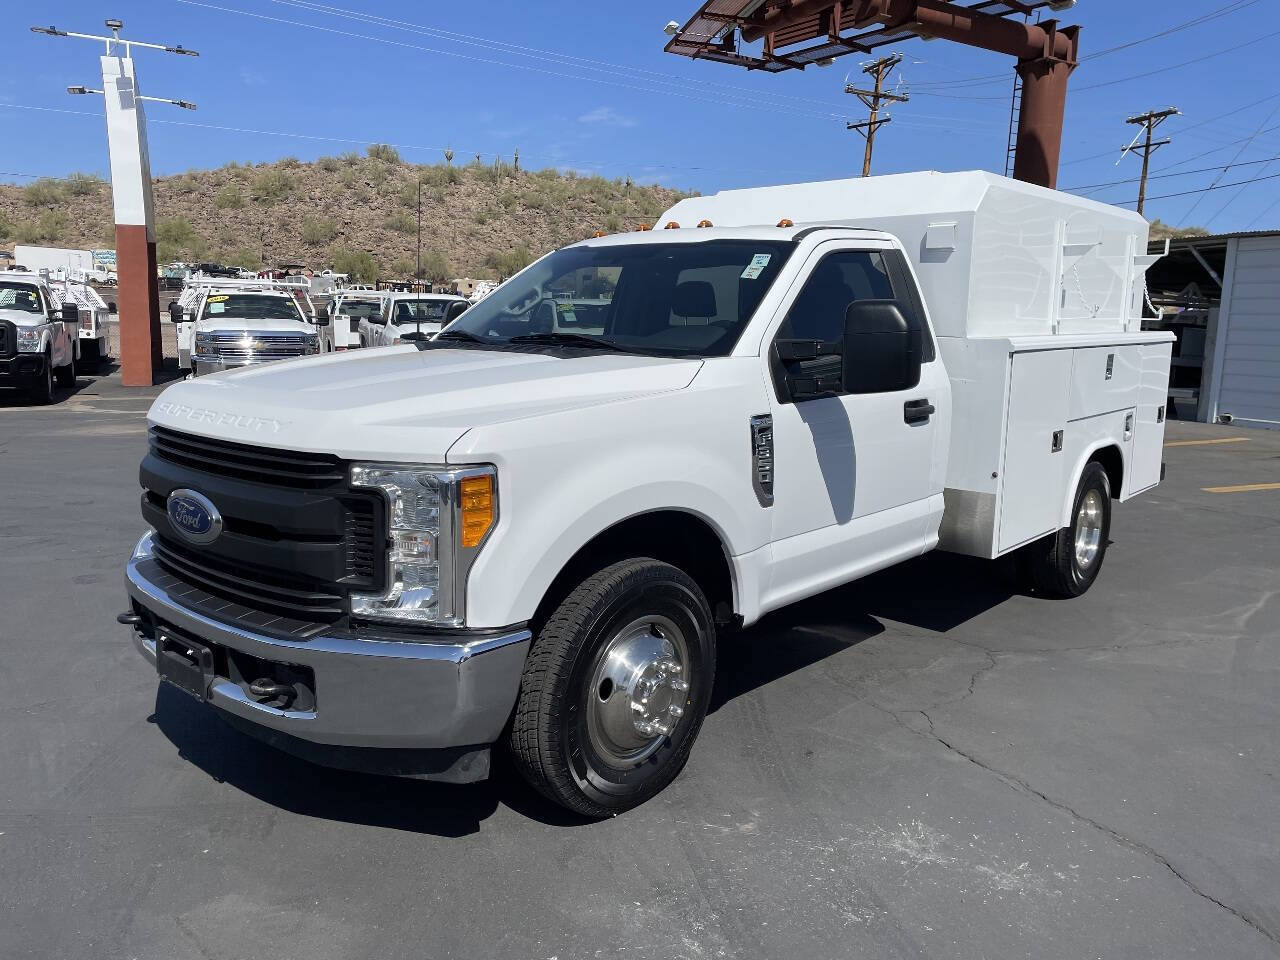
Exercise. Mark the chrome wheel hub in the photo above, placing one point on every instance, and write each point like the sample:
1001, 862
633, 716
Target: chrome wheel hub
638, 690
1088, 529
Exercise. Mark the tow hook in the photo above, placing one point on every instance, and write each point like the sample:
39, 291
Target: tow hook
129, 619
264, 689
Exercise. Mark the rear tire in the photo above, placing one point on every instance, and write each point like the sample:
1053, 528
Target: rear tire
615, 688
1066, 564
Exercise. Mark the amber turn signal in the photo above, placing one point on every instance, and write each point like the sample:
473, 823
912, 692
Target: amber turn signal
477, 509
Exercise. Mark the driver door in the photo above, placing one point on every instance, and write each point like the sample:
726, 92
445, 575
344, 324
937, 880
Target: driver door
859, 474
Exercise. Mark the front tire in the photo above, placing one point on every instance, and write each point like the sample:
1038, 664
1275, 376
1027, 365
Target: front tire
67, 374
615, 688
42, 392
1066, 564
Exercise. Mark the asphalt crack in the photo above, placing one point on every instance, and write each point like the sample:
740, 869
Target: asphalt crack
1137, 846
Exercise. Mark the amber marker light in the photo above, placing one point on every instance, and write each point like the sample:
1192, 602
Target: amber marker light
477, 509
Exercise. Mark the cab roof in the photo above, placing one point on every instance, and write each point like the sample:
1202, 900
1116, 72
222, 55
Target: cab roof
691, 233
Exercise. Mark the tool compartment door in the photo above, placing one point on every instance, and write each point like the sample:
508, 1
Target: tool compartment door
1033, 472
1148, 433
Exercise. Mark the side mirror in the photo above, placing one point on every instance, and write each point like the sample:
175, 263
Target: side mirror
70, 313
175, 311
882, 349
454, 312
321, 318
111, 307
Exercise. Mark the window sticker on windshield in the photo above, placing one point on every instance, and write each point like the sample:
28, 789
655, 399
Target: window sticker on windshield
756, 266
218, 298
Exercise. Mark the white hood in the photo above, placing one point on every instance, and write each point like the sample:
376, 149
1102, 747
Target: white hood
400, 403
225, 324
22, 318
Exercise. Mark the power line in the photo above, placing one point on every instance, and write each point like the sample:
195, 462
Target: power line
1177, 28
1216, 186
1242, 149
588, 63
1179, 65
719, 100
1163, 176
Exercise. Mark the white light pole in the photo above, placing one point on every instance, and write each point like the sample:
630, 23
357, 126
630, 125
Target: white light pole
141, 351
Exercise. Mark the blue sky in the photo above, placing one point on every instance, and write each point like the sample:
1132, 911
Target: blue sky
587, 86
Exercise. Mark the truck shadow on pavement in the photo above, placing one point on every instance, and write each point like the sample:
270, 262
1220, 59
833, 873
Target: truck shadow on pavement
783, 643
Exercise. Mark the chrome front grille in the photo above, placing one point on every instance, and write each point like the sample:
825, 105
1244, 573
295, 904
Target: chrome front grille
250, 347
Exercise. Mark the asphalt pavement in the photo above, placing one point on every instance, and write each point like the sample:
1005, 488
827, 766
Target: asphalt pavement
922, 764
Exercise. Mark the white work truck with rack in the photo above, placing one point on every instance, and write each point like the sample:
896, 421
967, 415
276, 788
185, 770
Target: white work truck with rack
531, 529
224, 323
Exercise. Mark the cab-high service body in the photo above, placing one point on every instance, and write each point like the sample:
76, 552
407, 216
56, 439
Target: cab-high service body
531, 529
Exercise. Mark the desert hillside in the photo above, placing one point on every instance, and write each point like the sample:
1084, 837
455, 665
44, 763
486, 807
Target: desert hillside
355, 212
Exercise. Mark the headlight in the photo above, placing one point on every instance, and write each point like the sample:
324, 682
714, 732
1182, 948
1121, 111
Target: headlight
437, 520
311, 342
28, 341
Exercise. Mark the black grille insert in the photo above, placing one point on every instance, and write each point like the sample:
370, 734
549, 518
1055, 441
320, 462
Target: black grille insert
243, 461
255, 588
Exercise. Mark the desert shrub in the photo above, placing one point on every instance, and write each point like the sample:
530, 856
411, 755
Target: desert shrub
358, 264
401, 222
272, 185
480, 218
229, 196
384, 152
401, 268
83, 184
435, 266
377, 174
508, 262
176, 239
508, 200
349, 157
316, 230
613, 223
329, 164
7, 225
43, 192
289, 162
408, 196
350, 177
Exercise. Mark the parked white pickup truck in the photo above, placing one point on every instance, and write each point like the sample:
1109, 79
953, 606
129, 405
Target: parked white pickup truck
531, 531
38, 336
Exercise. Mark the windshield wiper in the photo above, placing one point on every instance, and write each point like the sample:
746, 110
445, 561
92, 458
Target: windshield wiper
570, 340
461, 335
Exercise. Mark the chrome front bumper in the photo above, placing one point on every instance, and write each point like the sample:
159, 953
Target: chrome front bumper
369, 692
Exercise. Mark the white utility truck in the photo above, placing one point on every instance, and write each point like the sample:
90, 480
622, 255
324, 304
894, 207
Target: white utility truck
225, 323
38, 341
530, 531
339, 319
406, 317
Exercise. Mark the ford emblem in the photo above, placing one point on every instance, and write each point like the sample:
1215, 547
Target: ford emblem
194, 516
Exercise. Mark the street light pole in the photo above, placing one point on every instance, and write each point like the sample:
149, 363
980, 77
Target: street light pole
141, 350
417, 274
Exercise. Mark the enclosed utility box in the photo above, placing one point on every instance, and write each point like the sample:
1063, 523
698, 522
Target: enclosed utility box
1036, 298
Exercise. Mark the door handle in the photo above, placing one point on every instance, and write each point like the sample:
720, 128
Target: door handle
917, 411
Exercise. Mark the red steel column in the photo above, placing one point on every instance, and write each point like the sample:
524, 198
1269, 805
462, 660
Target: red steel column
141, 350
1044, 107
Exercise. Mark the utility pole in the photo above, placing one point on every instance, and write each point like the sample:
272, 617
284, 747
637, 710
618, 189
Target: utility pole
417, 274
141, 352
1148, 121
872, 98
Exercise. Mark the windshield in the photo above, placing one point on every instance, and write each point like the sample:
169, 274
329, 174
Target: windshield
250, 306
414, 311
15, 296
673, 299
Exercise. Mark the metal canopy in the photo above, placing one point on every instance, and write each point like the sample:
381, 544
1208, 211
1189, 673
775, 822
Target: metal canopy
830, 30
